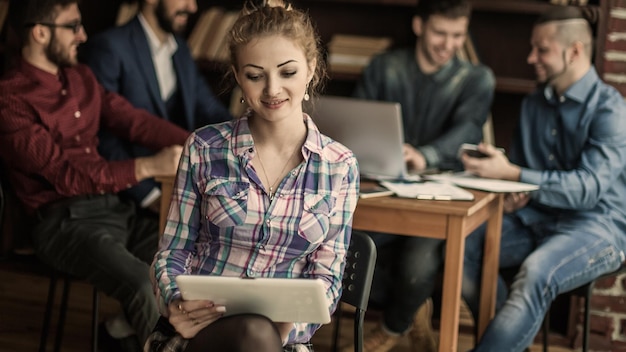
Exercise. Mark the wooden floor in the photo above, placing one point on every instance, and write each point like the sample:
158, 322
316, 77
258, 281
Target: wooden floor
22, 300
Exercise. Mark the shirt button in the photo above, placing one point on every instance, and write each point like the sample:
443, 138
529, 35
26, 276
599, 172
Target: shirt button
554, 132
551, 157
102, 192
87, 150
250, 150
294, 173
77, 138
262, 247
561, 99
63, 92
128, 185
77, 114
268, 221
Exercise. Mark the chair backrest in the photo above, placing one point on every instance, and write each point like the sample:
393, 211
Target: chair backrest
4, 242
359, 270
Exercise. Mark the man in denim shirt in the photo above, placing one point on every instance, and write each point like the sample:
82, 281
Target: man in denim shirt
571, 141
445, 102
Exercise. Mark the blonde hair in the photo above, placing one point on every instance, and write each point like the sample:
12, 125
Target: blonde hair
276, 17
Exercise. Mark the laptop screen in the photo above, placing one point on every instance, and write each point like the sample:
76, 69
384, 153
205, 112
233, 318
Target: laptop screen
371, 129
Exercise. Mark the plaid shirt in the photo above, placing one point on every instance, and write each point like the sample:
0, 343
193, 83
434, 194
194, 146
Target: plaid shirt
221, 220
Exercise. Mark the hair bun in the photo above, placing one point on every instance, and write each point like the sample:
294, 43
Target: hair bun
256, 5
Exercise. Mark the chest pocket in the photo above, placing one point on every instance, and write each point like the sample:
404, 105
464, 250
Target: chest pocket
315, 220
225, 202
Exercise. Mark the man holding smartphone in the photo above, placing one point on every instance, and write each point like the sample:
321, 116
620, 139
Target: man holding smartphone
571, 142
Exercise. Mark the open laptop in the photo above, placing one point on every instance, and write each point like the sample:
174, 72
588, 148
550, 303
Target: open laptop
371, 129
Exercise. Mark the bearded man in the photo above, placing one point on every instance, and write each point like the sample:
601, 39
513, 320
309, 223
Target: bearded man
52, 109
150, 64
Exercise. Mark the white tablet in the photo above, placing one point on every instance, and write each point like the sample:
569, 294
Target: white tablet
279, 299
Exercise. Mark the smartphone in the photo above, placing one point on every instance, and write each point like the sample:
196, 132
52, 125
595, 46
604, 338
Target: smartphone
472, 151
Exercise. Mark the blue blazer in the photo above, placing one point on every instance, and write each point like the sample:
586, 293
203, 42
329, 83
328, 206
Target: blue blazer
121, 60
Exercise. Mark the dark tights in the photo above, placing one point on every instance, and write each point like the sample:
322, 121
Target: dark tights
238, 333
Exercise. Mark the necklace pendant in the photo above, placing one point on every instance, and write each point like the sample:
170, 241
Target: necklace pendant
271, 194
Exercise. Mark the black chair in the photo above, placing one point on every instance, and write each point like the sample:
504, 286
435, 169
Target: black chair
584, 291
24, 260
357, 282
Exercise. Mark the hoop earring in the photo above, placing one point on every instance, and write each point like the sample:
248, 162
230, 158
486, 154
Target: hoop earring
306, 93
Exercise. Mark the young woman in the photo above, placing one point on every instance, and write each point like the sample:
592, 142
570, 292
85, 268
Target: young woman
265, 195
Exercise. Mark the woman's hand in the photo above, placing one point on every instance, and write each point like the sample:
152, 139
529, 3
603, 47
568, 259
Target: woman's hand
284, 329
189, 317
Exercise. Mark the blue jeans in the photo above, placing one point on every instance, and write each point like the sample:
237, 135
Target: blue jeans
405, 276
554, 256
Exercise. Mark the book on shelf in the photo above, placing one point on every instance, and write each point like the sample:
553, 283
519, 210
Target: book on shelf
351, 53
359, 41
4, 9
569, 2
215, 44
126, 12
202, 30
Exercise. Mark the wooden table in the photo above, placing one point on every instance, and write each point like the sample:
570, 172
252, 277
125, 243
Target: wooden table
448, 220
451, 221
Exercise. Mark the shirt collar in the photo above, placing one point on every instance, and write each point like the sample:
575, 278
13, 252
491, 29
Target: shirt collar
155, 44
47, 79
577, 91
446, 70
242, 138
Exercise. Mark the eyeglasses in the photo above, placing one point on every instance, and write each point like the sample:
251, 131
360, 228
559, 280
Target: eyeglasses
74, 26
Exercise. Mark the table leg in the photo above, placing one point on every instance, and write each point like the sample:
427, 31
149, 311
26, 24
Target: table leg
452, 277
490, 265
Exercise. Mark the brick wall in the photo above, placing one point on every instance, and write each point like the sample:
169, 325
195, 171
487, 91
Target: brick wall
613, 63
608, 303
608, 316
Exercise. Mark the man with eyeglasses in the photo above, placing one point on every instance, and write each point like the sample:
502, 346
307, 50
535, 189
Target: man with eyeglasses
52, 108
148, 63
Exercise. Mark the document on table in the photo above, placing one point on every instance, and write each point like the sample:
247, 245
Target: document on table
428, 190
467, 180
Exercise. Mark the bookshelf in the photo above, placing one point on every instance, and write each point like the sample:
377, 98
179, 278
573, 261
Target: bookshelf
499, 29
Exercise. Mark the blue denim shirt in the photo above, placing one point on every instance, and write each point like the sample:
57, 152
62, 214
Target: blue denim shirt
440, 111
574, 148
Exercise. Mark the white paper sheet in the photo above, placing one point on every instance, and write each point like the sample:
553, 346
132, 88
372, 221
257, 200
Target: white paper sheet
428, 190
484, 184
